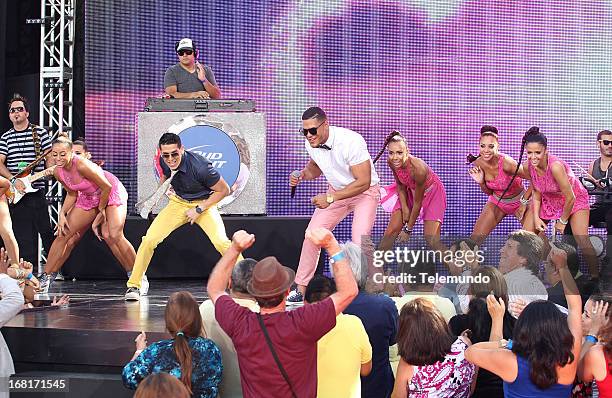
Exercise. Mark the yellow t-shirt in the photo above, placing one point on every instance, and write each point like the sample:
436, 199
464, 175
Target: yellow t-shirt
340, 354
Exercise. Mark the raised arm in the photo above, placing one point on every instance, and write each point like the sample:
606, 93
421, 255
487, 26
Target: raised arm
220, 275
343, 275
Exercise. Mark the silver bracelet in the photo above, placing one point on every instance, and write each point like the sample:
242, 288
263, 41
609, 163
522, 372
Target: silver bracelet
524, 201
406, 229
562, 221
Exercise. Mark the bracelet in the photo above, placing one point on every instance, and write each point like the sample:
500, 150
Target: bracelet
406, 229
591, 338
30, 276
337, 257
524, 201
509, 344
562, 221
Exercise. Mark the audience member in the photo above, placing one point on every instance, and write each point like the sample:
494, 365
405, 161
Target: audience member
191, 358
379, 317
241, 275
10, 304
277, 350
541, 359
465, 262
423, 287
344, 353
519, 261
596, 355
432, 360
478, 323
161, 385
584, 283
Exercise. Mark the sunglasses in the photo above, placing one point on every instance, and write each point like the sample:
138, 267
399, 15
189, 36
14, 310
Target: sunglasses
173, 155
605, 142
184, 52
311, 131
17, 109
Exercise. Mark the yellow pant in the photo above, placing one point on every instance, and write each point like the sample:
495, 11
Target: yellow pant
169, 219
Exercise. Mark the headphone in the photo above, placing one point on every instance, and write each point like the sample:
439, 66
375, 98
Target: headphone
195, 50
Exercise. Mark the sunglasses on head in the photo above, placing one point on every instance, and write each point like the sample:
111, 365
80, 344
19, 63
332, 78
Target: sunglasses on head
605, 142
17, 109
184, 52
312, 130
173, 155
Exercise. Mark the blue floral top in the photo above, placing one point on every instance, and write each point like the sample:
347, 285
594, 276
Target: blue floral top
159, 357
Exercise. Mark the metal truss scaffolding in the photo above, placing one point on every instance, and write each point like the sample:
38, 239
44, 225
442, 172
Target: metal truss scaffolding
56, 67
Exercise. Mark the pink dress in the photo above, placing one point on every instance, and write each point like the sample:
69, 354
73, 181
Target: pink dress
450, 377
553, 200
434, 198
512, 199
89, 193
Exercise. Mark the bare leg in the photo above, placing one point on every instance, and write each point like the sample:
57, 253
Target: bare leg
78, 220
6, 232
112, 231
489, 218
580, 228
393, 229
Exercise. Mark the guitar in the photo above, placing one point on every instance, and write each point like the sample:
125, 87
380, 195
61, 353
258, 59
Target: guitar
14, 195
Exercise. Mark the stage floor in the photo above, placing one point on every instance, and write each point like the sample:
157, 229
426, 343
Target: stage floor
99, 305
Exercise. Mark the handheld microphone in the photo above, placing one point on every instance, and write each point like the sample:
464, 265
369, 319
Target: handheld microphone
295, 174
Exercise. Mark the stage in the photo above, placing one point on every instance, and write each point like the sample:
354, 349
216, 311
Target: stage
91, 339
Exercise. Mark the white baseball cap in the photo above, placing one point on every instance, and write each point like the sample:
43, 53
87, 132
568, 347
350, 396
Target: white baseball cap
185, 44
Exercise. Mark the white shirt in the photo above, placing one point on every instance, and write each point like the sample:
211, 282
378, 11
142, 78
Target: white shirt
10, 305
348, 148
524, 285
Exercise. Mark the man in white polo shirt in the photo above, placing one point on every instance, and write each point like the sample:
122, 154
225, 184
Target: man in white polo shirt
342, 156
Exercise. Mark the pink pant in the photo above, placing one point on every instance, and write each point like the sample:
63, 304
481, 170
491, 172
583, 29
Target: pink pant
364, 207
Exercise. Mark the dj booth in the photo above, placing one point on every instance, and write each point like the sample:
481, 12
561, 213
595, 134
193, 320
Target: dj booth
232, 135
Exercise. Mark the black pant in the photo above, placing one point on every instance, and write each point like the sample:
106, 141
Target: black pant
30, 217
599, 213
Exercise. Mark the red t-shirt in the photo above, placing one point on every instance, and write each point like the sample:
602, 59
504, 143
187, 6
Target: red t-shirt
294, 335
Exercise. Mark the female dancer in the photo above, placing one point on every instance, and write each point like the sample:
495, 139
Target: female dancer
6, 226
557, 195
94, 198
495, 173
420, 192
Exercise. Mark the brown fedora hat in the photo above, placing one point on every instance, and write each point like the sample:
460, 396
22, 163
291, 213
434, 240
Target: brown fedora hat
270, 278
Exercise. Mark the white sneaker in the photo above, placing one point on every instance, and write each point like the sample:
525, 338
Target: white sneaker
132, 294
144, 286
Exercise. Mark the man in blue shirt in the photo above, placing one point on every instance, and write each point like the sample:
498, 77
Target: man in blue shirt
198, 187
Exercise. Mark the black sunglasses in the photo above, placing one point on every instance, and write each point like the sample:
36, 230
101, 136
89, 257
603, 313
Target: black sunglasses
605, 142
183, 52
312, 130
17, 109
173, 155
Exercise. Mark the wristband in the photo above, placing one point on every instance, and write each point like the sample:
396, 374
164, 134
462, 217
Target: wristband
30, 276
406, 229
562, 221
337, 257
591, 338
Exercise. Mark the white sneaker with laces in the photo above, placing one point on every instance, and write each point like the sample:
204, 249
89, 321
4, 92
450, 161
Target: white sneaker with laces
144, 286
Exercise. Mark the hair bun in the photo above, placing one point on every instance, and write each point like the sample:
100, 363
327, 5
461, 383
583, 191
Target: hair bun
62, 134
534, 130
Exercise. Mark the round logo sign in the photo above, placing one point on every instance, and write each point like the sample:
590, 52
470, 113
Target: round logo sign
216, 146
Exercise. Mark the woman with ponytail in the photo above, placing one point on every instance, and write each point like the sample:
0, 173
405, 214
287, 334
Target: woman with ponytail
419, 193
558, 195
190, 357
497, 175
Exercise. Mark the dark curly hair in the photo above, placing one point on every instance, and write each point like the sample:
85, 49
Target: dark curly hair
542, 336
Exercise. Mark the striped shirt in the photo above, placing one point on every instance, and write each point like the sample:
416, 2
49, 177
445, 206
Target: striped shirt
18, 147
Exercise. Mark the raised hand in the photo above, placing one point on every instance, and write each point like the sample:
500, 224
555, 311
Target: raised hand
242, 240
477, 174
